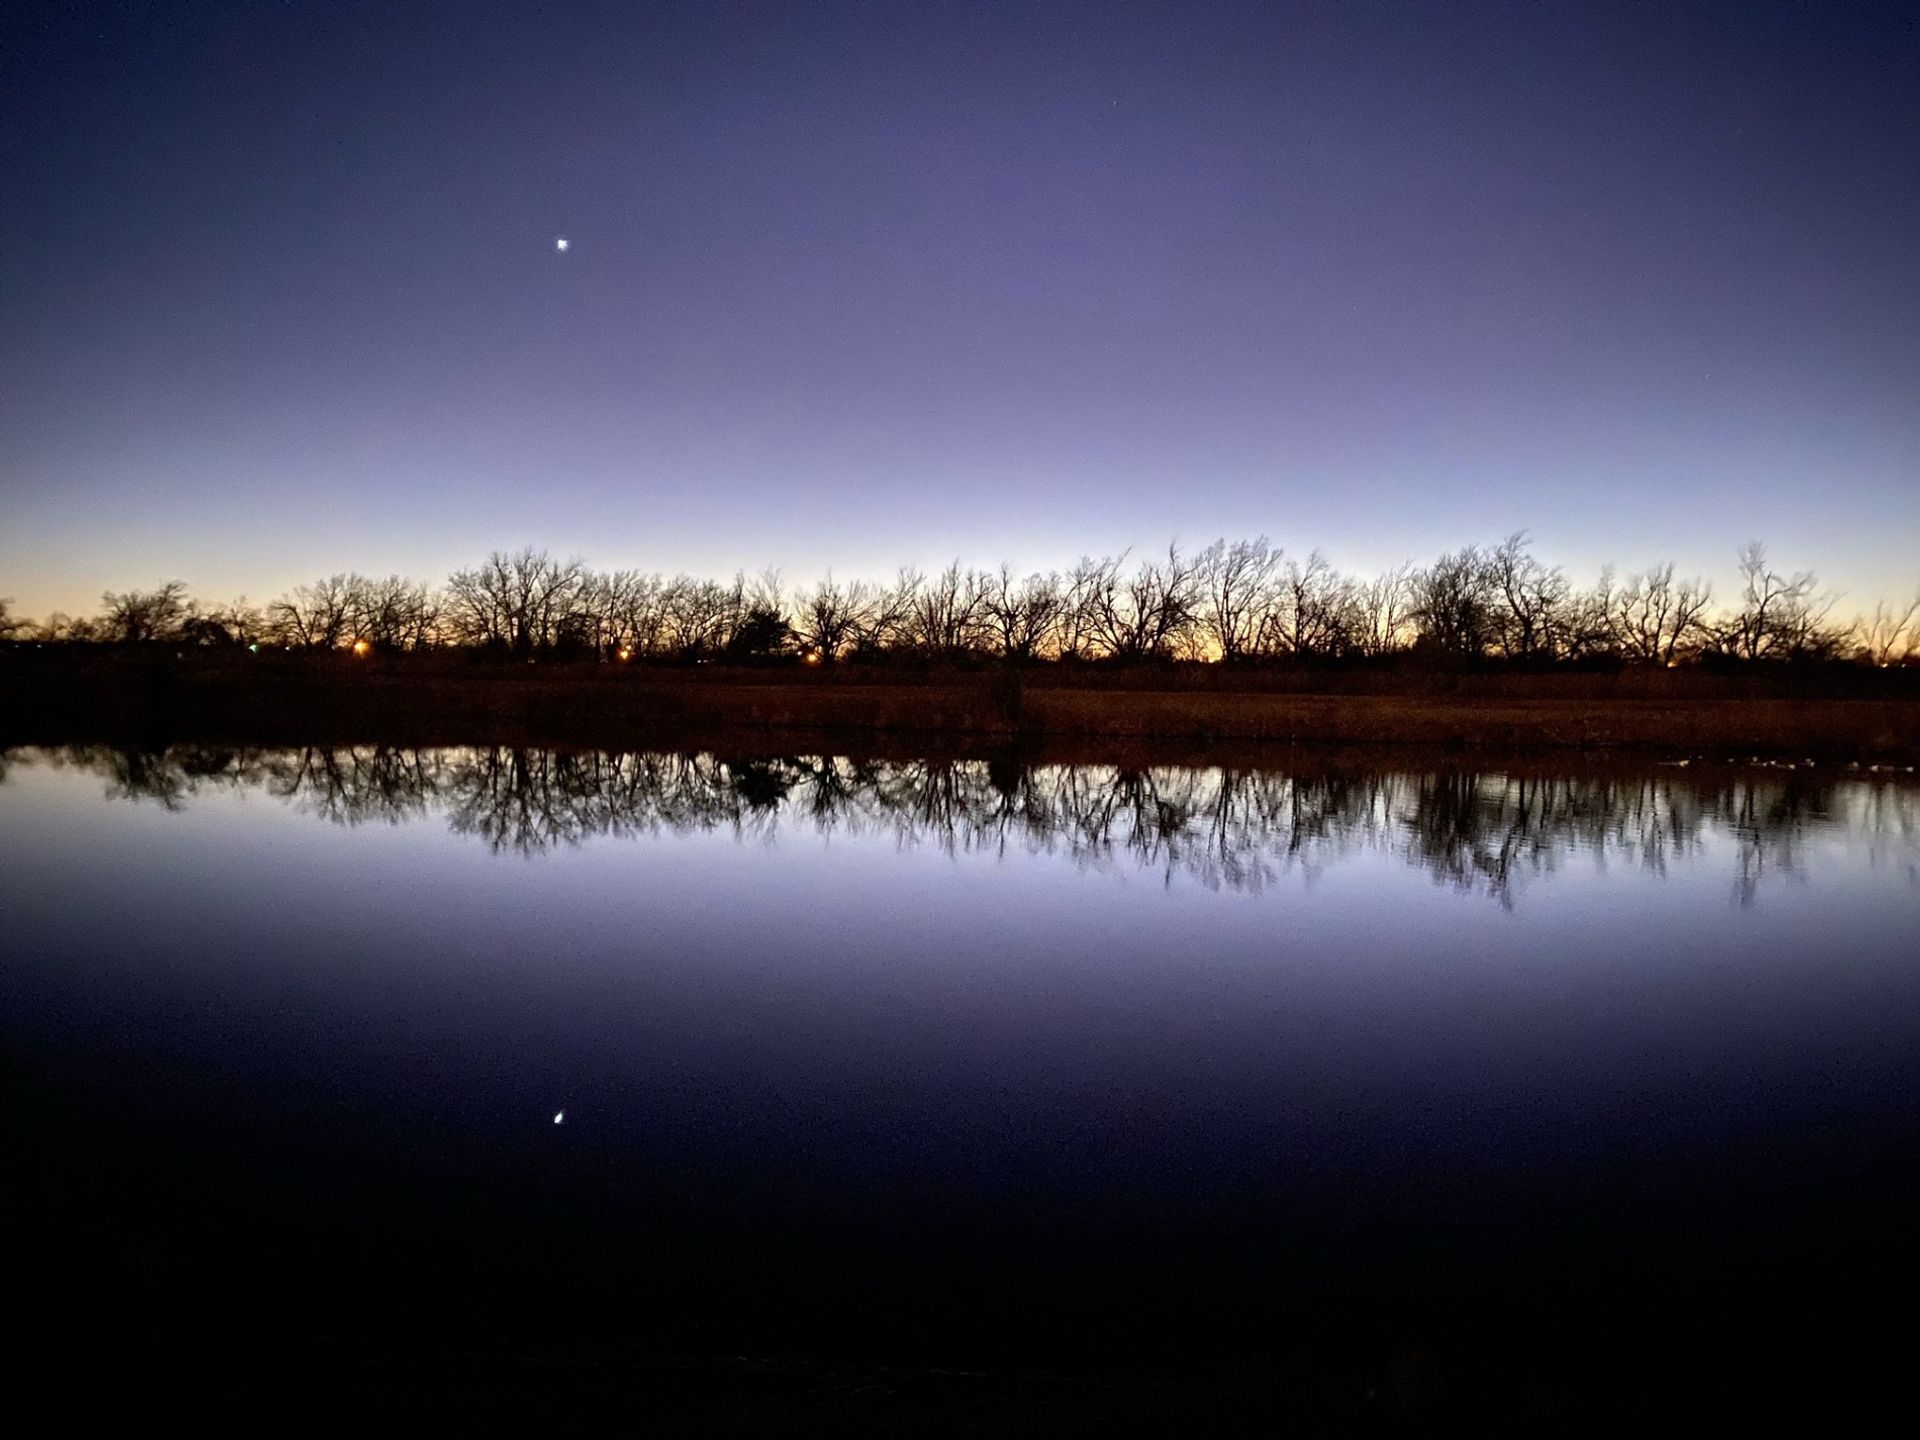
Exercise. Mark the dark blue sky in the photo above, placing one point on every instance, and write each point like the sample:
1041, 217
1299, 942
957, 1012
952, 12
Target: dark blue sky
863, 285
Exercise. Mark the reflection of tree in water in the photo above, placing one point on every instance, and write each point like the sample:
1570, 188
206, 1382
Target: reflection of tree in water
167, 778
1490, 831
1770, 826
1238, 829
531, 800
1892, 828
353, 786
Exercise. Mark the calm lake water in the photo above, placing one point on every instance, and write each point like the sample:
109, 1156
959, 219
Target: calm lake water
951, 1058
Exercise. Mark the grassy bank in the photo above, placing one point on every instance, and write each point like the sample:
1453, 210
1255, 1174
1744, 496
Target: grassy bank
54, 698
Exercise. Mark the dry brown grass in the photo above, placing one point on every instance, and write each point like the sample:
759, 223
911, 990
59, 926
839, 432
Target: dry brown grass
120, 698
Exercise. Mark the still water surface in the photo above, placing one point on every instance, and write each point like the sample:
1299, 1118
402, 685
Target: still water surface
805, 1051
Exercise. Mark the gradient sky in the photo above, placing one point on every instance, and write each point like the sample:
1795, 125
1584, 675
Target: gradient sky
872, 284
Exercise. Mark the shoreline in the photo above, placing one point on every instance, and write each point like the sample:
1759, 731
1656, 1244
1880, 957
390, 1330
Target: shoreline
139, 700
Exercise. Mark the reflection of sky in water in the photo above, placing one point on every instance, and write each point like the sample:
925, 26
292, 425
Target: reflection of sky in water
926, 989
1230, 908
1236, 829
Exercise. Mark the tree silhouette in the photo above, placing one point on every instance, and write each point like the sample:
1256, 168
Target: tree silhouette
1533, 613
1241, 601
1891, 636
1654, 616
831, 615
762, 633
1150, 614
1783, 615
1453, 603
1238, 597
316, 616
1020, 617
141, 617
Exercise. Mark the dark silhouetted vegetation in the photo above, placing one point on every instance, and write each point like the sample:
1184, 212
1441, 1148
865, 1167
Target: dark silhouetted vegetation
1237, 641
1240, 602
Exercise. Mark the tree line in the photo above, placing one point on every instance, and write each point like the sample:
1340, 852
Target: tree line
1233, 601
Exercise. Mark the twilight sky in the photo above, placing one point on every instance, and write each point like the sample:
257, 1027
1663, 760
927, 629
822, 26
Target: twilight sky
858, 285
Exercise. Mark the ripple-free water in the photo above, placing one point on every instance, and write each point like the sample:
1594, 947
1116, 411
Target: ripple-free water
952, 1057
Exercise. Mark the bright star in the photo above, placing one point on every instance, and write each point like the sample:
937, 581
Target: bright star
561, 244
558, 1116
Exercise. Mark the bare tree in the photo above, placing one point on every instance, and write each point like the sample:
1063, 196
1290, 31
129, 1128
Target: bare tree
245, 623
144, 616
1530, 601
1453, 603
1587, 628
830, 615
476, 608
521, 602
1021, 616
1237, 594
1891, 636
685, 619
947, 612
610, 606
1078, 631
884, 624
390, 614
11, 625
546, 592
1653, 617
733, 603
317, 616
1807, 630
1312, 614
1779, 615
636, 621
1151, 613
766, 591
699, 615
1384, 611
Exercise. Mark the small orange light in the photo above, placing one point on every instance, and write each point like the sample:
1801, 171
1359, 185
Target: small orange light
360, 647
626, 654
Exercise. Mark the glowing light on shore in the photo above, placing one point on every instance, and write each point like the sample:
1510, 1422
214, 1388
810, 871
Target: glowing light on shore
360, 647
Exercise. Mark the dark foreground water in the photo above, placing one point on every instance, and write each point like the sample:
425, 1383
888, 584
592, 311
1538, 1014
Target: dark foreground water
1507, 1079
